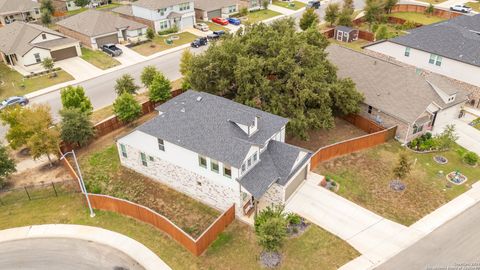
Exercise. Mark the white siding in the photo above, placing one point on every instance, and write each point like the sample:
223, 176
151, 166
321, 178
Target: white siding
187, 20
47, 38
29, 57
446, 117
450, 68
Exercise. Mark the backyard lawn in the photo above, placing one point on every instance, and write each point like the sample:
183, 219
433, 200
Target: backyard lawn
11, 82
99, 59
293, 5
236, 247
76, 11
109, 6
474, 5
160, 43
364, 178
355, 45
259, 15
417, 17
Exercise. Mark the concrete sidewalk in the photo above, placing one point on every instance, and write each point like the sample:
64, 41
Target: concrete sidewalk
132, 248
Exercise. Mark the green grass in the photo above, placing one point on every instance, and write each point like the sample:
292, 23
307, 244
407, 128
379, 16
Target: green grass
417, 17
393, 29
99, 58
236, 248
259, 15
474, 5
216, 27
13, 82
296, 4
160, 45
76, 11
355, 45
476, 123
364, 178
109, 6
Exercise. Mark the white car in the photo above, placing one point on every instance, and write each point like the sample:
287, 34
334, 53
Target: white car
201, 26
461, 8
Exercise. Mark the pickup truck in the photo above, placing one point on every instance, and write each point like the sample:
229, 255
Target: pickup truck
112, 50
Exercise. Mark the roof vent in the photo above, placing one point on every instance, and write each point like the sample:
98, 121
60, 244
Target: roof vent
182, 110
199, 98
375, 62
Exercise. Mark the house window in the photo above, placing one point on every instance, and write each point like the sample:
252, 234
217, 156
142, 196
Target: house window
249, 162
37, 58
214, 165
232, 9
184, 6
151, 158
255, 157
37, 11
417, 129
370, 108
44, 36
435, 59
144, 159
161, 145
162, 11
123, 150
202, 161
139, 32
439, 61
244, 167
163, 25
227, 171
407, 52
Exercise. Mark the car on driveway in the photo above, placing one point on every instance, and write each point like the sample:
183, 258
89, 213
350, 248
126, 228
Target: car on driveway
234, 21
313, 4
220, 21
461, 8
202, 41
22, 101
201, 26
112, 50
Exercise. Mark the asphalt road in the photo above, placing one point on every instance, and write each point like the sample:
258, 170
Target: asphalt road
455, 244
62, 254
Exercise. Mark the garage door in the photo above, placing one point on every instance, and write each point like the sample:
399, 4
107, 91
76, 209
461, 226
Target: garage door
187, 22
214, 13
294, 183
64, 53
107, 39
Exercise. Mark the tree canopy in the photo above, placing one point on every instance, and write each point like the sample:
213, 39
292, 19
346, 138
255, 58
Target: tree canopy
7, 165
147, 75
126, 108
332, 13
76, 126
126, 84
278, 70
308, 19
160, 88
74, 97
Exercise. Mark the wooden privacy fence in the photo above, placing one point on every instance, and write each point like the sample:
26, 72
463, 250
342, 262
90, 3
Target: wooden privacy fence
363, 123
447, 14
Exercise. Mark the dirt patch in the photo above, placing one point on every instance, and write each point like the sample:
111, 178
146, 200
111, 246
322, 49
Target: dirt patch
343, 130
39, 175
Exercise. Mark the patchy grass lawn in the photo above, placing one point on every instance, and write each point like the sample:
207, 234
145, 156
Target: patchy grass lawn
161, 45
13, 82
216, 27
476, 123
235, 249
417, 17
364, 178
259, 15
355, 45
99, 58
343, 130
474, 5
109, 6
391, 28
76, 11
293, 5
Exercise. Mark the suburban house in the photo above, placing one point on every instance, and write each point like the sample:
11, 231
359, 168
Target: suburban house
450, 48
217, 151
69, 5
345, 34
400, 95
18, 10
160, 15
24, 45
207, 9
252, 4
95, 28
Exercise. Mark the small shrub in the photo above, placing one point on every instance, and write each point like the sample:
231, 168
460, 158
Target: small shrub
243, 11
293, 219
403, 168
471, 158
171, 30
409, 25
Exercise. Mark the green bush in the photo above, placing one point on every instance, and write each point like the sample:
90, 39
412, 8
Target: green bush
471, 158
293, 219
409, 25
168, 31
271, 227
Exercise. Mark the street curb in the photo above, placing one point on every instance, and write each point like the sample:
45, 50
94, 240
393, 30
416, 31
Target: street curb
137, 251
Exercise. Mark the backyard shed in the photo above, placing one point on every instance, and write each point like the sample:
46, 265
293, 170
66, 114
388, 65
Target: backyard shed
345, 34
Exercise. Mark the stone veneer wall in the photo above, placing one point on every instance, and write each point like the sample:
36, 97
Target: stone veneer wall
196, 186
274, 195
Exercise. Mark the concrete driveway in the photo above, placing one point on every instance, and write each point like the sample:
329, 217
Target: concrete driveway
79, 68
129, 56
373, 236
468, 136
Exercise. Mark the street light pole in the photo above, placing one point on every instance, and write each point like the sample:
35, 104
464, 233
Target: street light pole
80, 181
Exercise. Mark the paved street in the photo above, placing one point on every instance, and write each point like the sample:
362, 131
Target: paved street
62, 254
456, 242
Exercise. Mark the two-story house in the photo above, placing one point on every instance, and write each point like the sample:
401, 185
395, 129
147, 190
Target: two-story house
26, 45
450, 48
18, 10
207, 9
217, 151
160, 15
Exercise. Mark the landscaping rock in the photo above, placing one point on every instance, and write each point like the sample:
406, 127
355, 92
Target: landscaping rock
270, 259
295, 230
397, 185
440, 159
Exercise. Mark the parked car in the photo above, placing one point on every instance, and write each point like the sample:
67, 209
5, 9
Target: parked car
219, 33
22, 101
199, 42
201, 26
461, 8
234, 21
313, 4
112, 50
220, 21
213, 36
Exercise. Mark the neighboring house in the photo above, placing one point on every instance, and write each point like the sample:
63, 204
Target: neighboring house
397, 95
450, 48
18, 10
252, 4
23, 44
207, 9
160, 14
345, 34
217, 151
95, 28
69, 5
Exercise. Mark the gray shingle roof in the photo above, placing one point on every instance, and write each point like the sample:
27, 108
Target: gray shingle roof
394, 89
344, 28
125, 9
457, 39
209, 5
276, 165
205, 126
93, 23
158, 4
12, 6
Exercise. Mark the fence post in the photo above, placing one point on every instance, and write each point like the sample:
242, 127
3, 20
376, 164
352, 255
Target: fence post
27, 193
54, 189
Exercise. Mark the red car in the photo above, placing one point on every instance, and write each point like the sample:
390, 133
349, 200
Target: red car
220, 21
